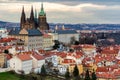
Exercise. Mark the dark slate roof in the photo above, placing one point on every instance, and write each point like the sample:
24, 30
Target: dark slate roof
34, 32
31, 32
14, 32
66, 31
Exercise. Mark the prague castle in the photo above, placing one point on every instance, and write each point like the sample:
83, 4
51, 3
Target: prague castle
34, 22
31, 30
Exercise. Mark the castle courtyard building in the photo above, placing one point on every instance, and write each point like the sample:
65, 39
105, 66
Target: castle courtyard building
33, 38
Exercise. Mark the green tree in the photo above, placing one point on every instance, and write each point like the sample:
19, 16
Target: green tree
87, 75
76, 72
22, 75
43, 70
56, 45
72, 40
31, 77
94, 77
6, 51
67, 74
76, 43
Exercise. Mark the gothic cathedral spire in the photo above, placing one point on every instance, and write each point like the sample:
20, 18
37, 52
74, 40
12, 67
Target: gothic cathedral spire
32, 19
23, 19
34, 22
32, 14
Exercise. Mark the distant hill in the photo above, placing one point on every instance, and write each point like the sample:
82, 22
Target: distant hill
88, 26
8, 25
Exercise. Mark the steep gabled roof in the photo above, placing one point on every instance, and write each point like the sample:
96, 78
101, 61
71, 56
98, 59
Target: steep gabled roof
102, 69
37, 56
34, 32
24, 57
67, 61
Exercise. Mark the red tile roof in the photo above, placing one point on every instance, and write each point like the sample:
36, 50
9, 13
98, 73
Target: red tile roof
68, 61
110, 50
8, 56
117, 72
19, 48
77, 56
79, 53
102, 69
47, 36
37, 56
76, 47
62, 55
106, 75
7, 39
87, 46
24, 57
41, 51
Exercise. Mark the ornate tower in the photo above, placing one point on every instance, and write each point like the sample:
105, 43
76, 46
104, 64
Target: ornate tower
32, 18
42, 22
23, 19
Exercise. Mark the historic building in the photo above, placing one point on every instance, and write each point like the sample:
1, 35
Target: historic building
2, 60
65, 36
34, 22
32, 38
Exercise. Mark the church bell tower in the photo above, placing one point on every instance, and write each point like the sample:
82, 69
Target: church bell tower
42, 21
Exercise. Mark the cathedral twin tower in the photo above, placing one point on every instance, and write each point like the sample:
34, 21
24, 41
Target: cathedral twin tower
34, 22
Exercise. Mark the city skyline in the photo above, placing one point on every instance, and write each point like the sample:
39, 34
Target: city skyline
67, 11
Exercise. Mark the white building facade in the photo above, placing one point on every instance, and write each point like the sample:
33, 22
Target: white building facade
66, 35
19, 64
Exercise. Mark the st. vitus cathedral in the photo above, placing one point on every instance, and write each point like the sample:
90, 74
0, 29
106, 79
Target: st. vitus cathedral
34, 22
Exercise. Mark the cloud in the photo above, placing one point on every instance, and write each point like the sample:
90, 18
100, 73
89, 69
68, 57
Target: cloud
59, 12
15, 7
69, 2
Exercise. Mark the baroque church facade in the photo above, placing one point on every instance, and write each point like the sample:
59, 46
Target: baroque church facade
34, 22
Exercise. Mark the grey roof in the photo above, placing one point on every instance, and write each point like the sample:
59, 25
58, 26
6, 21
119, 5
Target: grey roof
66, 31
34, 32
31, 32
14, 32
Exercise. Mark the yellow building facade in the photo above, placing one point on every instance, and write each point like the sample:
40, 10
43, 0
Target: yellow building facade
47, 41
2, 60
32, 38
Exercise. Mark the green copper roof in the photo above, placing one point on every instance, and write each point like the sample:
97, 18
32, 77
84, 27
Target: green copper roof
42, 13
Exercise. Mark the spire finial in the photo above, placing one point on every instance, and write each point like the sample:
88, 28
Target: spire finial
42, 13
42, 9
23, 9
42, 6
32, 14
31, 8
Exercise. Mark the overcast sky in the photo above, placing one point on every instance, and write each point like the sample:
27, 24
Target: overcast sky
64, 11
